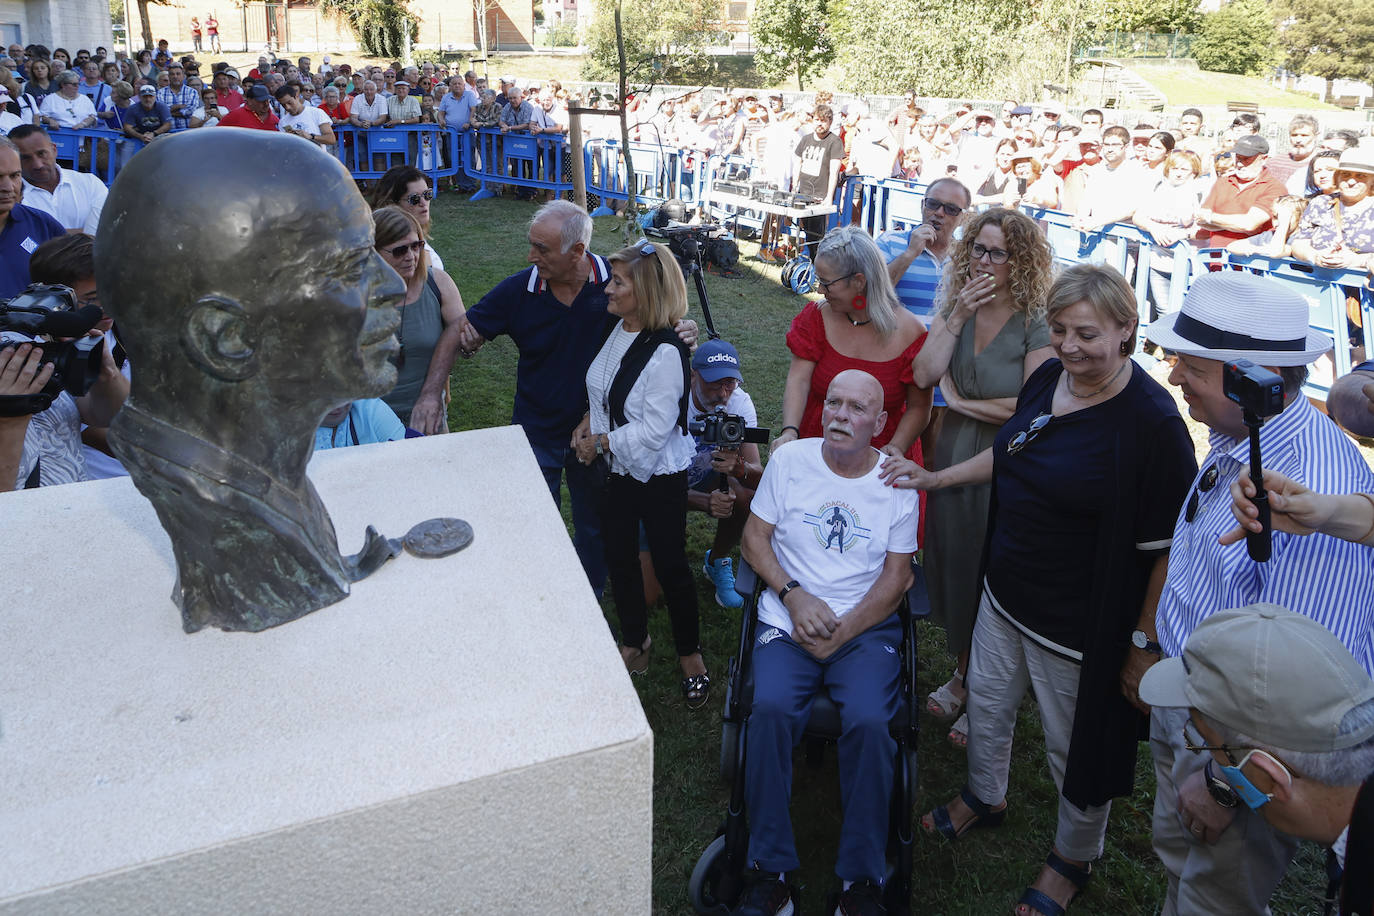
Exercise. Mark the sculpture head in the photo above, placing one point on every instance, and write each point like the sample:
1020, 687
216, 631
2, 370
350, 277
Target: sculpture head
263, 307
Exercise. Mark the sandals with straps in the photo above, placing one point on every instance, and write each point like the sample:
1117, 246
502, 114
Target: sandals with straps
1042, 902
983, 817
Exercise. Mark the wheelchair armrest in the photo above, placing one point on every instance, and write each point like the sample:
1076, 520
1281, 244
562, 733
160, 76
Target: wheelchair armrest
746, 580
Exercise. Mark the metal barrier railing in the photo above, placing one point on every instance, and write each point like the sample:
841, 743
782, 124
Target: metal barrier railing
518, 159
96, 150
367, 152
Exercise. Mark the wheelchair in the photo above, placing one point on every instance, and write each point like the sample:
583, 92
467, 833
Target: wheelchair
718, 878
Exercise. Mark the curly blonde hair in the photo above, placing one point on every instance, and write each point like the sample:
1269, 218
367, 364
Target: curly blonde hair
1030, 267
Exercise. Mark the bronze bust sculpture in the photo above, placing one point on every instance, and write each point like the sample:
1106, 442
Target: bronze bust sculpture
247, 315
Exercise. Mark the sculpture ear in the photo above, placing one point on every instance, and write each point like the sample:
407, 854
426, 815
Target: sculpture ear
219, 336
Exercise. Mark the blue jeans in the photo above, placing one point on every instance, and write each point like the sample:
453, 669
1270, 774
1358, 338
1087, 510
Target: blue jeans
864, 679
553, 461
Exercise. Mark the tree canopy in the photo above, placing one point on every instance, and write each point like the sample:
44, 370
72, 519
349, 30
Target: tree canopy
665, 41
1238, 38
1333, 39
791, 38
378, 24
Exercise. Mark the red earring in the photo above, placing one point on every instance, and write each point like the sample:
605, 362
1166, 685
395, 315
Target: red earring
859, 303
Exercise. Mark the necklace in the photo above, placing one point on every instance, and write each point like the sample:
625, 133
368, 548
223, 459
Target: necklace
1068, 383
857, 324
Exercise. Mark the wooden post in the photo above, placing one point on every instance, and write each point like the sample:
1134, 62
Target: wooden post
579, 172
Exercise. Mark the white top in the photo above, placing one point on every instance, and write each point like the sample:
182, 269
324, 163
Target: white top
365, 112
650, 442
830, 533
54, 439
212, 119
309, 120
434, 260
67, 112
75, 202
9, 121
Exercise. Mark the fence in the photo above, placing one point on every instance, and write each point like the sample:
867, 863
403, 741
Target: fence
1159, 278
1136, 44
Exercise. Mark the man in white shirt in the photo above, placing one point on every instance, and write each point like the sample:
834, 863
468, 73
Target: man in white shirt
1115, 186
834, 546
73, 198
67, 107
304, 120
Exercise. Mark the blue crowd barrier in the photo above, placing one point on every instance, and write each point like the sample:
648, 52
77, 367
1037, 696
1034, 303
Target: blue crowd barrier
367, 152
96, 150
515, 158
661, 173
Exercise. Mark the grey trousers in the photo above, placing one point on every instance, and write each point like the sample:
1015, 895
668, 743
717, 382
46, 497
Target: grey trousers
1002, 665
1235, 875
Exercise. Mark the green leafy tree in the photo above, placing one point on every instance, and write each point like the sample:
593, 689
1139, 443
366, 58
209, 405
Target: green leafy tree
1333, 39
1152, 15
380, 25
790, 37
971, 48
1238, 38
665, 41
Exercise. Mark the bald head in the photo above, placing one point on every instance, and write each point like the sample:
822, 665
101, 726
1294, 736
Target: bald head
1351, 402
853, 412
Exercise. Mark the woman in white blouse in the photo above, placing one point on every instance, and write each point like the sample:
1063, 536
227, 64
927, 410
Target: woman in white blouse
637, 422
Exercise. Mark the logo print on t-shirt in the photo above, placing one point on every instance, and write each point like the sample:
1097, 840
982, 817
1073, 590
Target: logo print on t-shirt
837, 526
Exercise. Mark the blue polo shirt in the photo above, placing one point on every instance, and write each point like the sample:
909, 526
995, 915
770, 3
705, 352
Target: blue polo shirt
24, 230
557, 343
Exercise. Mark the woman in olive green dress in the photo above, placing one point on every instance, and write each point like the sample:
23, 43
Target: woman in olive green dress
987, 339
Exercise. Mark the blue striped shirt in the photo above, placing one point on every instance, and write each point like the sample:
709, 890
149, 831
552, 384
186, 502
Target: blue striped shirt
1327, 579
919, 287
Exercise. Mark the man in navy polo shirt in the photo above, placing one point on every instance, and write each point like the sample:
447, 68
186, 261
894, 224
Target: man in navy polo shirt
21, 229
555, 312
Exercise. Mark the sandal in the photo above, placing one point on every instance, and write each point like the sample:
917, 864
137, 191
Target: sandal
942, 703
958, 733
637, 661
983, 816
696, 690
1042, 902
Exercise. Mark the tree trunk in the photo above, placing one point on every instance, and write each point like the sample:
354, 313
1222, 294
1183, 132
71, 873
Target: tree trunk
624, 116
1326, 97
146, 24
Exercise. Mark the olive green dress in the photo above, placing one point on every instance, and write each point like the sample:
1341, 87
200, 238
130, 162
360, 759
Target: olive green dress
957, 517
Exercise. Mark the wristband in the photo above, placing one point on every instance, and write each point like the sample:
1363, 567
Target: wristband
598, 445
782, 592
793, 428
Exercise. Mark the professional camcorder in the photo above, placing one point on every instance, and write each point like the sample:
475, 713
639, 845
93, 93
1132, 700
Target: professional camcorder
45, 314
704, 244
725, 430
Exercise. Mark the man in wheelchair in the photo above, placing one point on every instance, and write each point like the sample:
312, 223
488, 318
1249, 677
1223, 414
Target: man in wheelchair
834, 545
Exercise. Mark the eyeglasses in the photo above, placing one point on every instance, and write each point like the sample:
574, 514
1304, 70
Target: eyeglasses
1208, 481
930, 203
1025, 437
1248, 792
826, 284
995, 255
414, 199
401, 251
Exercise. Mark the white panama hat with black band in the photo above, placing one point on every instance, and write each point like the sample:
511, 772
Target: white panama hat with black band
1229, 315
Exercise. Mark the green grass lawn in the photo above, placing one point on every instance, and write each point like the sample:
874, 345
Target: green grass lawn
482, 243
1190, 86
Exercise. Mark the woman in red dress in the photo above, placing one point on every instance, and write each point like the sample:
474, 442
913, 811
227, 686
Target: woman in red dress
860, 324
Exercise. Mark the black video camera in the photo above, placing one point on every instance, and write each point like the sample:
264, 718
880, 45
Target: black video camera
704, 244
1254, 388
49, 310
725, 430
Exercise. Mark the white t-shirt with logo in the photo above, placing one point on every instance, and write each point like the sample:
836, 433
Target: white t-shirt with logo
310, 120
830, 533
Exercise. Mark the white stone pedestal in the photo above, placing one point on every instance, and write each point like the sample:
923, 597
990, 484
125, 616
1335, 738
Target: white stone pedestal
458, 736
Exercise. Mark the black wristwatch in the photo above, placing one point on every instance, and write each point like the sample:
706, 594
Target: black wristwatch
1141, 641
1220, 789
782, 592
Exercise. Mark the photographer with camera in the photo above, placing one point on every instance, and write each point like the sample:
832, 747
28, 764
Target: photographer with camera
723, 416
1223, 858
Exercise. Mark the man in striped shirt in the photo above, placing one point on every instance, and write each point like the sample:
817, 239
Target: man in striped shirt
1221, 857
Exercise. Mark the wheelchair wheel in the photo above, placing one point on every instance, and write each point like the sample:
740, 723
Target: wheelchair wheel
701, 887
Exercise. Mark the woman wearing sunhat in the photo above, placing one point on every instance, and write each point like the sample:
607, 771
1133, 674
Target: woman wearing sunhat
1337, 230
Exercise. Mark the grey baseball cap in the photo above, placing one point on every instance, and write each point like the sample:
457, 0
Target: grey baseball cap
1268, 673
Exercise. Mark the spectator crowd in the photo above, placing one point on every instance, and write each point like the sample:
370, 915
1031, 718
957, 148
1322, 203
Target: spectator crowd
1073, 543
